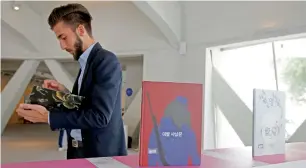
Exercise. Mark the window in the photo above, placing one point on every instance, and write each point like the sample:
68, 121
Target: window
247, 68
291, 77
254, 66
226, 136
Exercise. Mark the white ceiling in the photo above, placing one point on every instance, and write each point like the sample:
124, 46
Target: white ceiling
8, 46
115, 26
122, 28
225, 22
45, 7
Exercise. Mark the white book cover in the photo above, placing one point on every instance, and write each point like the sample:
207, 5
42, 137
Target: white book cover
268, 122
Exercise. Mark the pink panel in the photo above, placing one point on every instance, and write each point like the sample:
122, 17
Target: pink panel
297, 145
130, 160
74, 163
243, 155
294, 155
294, 152
206, 162
272, 159
240, 156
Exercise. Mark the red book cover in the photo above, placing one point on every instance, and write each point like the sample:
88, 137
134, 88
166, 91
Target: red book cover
171, 124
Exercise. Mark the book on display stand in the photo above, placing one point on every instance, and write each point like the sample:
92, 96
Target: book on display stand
171, 124
268, 124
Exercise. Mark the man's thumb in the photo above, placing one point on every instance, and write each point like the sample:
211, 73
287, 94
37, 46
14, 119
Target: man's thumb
53, 84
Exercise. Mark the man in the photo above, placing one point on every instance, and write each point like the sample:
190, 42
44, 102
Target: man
96, 129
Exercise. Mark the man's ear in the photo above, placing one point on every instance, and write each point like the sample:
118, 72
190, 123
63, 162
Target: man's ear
81, 30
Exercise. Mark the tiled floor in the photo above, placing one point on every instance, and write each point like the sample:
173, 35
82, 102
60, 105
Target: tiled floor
30, 142
21, 143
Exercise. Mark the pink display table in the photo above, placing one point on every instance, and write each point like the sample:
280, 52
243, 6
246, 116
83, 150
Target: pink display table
76, 163
218, 158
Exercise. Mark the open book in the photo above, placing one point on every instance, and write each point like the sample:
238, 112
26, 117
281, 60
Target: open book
51, 98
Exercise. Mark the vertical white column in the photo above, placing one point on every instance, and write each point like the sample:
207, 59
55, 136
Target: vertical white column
60, 73
208, 125
15, 89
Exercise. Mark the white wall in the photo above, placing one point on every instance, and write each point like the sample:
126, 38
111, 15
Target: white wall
133, 114
134, 70
133, 79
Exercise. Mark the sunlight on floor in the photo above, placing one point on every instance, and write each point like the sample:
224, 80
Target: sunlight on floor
31, 142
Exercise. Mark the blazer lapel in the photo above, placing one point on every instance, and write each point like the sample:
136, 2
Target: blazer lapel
75, 86
88, 64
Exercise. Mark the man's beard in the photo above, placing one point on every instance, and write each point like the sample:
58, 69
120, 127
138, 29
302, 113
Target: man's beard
78, 48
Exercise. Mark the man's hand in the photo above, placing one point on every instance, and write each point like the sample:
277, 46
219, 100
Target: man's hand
34, 113
54, 85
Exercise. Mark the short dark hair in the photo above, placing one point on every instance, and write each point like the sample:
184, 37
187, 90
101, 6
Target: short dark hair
73, 14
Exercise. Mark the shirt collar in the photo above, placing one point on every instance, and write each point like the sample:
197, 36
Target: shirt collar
83, 58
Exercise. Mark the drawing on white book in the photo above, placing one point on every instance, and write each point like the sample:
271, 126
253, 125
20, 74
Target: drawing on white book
268, 122
270, 101
270, 131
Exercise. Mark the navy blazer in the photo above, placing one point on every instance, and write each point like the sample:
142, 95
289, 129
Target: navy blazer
99, 116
